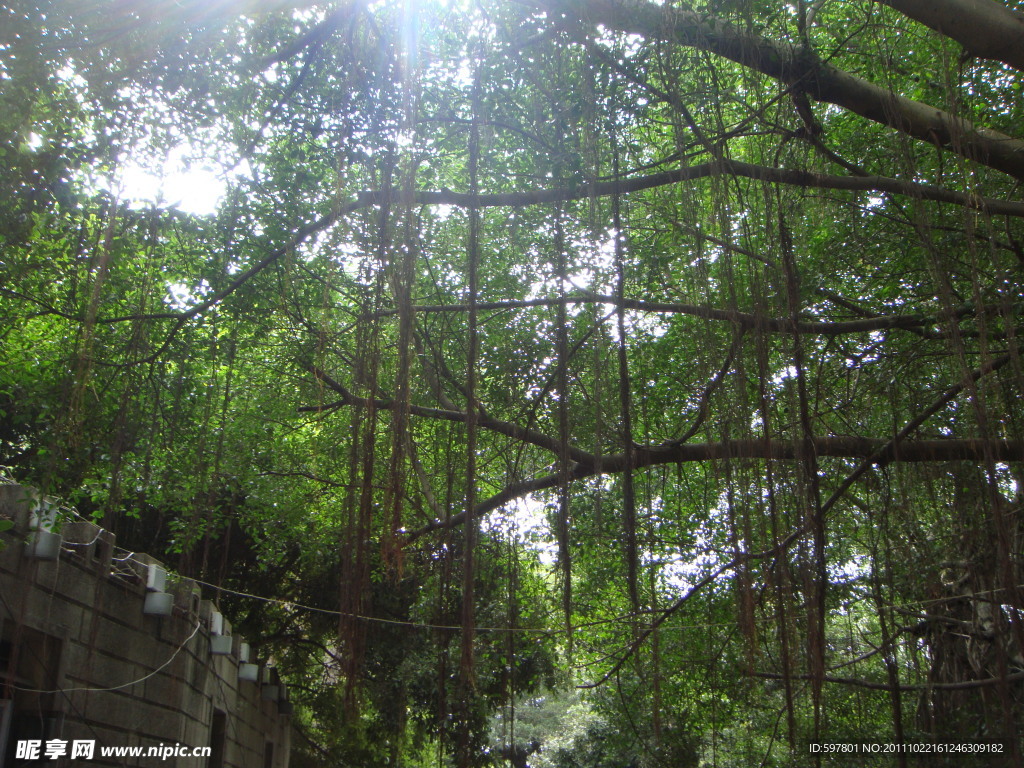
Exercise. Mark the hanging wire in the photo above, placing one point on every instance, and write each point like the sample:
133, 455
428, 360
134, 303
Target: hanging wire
144, 678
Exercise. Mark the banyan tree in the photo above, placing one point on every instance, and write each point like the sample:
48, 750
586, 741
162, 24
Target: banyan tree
553, 382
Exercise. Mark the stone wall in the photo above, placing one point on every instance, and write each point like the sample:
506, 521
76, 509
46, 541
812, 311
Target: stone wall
81, 660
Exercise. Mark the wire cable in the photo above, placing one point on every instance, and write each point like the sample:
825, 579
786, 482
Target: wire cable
123, 685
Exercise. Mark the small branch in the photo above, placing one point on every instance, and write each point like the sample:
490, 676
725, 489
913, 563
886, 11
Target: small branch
642, 637
705, 399
894, 448
486, 422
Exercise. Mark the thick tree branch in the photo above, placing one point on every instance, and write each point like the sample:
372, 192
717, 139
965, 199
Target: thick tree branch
871, 685
878, 450
586, 189
986, 29
583, 191
746, 320
801, 68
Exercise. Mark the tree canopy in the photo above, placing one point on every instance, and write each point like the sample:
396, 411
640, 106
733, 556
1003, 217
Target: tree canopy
570, 383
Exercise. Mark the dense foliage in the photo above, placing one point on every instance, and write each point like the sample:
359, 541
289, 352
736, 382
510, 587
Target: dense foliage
582, 383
